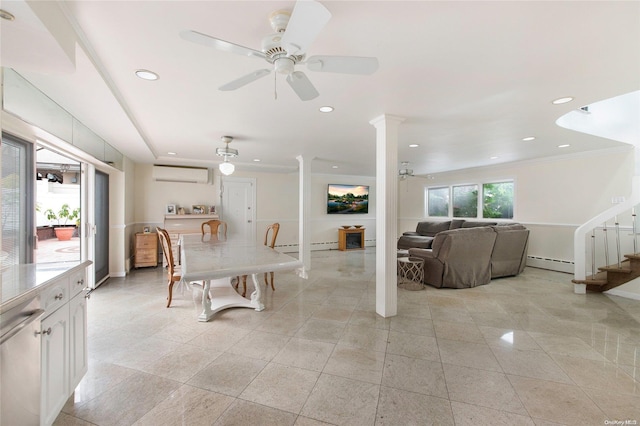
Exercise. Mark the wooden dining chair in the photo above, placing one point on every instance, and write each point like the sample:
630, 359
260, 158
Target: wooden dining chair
273, 229
215, 227
173, 271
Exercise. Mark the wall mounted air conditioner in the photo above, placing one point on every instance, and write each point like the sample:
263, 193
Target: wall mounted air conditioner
180, 174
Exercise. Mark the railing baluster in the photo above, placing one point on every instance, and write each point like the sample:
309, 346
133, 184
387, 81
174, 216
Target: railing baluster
606, 244
617, 225
635, 236
593, 254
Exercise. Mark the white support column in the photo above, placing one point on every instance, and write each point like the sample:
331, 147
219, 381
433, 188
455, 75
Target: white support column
304, 226
386, 213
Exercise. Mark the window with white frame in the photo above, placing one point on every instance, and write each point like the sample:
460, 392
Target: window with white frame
496, 200
438, 201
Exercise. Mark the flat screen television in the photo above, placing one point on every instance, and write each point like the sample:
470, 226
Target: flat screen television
347, 199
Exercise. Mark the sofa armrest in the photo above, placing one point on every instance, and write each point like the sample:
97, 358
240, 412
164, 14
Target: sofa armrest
410, 233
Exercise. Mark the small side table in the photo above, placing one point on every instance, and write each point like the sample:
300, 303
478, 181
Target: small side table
411, 273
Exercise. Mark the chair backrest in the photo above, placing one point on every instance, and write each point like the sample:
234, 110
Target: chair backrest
165, 242
215, 226
274, 228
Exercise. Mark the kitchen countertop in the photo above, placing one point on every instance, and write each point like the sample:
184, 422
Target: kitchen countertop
22, 282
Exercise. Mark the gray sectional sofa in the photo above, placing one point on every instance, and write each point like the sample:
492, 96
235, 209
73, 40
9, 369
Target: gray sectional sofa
425, 231
472, 256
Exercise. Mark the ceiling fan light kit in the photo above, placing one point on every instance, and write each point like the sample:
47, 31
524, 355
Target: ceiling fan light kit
226, 168
295, 32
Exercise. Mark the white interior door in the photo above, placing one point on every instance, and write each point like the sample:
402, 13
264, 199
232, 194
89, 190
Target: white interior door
238, 196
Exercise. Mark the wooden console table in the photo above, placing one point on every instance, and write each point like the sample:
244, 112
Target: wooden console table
351, 239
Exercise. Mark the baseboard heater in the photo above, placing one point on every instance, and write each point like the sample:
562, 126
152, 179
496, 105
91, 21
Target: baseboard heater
551, 264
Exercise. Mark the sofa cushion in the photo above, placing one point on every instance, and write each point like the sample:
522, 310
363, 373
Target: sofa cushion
468, 224
456, 223
430, 229
414, 241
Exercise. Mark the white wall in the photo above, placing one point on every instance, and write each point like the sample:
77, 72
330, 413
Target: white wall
276, 201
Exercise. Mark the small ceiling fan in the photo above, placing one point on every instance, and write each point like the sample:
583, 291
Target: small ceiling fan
294, 33
405, 171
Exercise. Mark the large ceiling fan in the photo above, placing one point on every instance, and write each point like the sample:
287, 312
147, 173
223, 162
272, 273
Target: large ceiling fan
294, 33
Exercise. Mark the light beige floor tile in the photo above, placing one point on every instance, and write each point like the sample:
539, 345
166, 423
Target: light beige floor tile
321, 330
616, 405
413, 345
557, 402
282, 324
597, 375
468, 354
509, 338
354, 363
181, 364
144, 352
364, 338
481, 387
617, 352
67, 420
458, 331
219, 337
414, 375
228, 374
126, 402
443, 313
306, 421
472, 415
495, 319
535, 364
304, 353
242, 413
179, 332
188, 406
100, 377
565, 345
369, 319
342, 401
282, 387
260, 345
333, 313
401, 407
412, 325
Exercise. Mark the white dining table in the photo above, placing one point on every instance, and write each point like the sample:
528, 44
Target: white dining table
213, 261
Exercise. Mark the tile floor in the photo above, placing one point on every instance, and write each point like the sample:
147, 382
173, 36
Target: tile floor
519, 351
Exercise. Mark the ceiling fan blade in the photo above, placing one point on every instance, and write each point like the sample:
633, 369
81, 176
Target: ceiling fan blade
225, 46
302, 86
307, 20
343, 64
243, 81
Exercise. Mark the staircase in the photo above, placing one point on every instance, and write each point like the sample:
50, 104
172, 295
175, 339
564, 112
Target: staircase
612, 276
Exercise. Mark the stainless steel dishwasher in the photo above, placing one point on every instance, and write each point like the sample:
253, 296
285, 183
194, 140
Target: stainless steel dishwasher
20, 342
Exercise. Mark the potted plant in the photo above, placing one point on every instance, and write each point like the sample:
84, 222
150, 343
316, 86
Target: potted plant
63, 232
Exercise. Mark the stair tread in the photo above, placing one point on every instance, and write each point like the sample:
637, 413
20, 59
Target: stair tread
634, 256
590, 282
615, 269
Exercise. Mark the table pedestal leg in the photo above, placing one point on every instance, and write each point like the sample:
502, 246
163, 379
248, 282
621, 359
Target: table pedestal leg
206, 303
256, 296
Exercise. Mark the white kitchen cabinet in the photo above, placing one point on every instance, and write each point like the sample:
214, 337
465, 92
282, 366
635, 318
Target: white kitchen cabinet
55, 364
64, 357
79, 358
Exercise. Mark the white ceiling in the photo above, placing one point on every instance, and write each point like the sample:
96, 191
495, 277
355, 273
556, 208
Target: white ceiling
470, 78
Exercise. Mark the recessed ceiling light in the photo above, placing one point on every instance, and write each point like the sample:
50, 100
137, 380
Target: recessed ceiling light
564, 146
147, 75
413, 145
334, 167
6, 15
171, 153
529, 138
326, 108
257, 160
562, 100
495, 157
